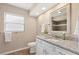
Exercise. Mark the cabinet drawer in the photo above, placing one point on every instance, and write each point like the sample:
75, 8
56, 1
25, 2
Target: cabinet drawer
64, 52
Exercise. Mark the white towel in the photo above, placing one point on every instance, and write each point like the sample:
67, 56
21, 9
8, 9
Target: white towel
8, 36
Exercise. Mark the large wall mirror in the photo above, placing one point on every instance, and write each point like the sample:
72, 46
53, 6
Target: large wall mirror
60, 19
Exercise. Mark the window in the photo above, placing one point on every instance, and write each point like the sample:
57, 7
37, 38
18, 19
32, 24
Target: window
13, 23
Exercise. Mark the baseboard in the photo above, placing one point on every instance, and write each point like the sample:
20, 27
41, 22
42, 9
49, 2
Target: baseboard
13, 51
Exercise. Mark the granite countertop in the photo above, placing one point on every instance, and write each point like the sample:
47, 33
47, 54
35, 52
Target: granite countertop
70, 45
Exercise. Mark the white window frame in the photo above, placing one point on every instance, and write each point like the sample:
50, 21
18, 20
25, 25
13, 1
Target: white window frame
5, 14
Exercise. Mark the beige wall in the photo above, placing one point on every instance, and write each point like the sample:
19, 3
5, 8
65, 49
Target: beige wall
75, 15
19, 40
43, 19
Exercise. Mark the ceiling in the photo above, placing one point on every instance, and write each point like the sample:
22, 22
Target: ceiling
26, 6
35, 9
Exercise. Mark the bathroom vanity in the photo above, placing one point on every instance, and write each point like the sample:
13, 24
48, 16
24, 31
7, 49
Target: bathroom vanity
56, 46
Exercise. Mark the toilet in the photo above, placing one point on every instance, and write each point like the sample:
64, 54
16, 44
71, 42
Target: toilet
32, 46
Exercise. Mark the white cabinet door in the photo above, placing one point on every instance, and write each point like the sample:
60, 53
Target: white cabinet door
39, 47
48, 49
45, 48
